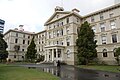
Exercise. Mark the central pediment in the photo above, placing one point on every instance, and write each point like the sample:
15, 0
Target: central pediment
57, 15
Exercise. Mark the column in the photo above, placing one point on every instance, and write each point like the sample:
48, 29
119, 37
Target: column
52, 54
62, 54
47, 55
56, 54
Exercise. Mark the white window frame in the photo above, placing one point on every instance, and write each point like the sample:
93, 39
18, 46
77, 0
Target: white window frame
102, 27
112, 24
104, 39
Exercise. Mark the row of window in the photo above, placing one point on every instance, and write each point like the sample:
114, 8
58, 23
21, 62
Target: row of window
105, 54
41, 42
103, 26
101, 16
40, 36
16, 41
56, 33
17, 35
41, 49
104, 39
59, 43
58, 24
19, 56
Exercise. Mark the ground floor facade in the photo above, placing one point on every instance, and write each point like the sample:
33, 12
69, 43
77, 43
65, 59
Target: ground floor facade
68, 55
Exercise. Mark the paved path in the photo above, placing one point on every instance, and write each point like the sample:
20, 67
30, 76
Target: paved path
66, 72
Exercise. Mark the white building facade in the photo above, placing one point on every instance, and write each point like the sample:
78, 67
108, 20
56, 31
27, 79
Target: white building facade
17, 38
58, 40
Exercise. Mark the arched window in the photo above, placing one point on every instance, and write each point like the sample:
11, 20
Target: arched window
114, 52
104, 52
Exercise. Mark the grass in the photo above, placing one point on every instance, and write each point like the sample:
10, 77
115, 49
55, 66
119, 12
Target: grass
9, 72
102, 68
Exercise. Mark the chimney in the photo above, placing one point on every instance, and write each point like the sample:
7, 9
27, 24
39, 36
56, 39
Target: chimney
58, 8
16, 29
21, 27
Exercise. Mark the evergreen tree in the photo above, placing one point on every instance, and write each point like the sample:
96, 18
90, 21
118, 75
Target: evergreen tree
3, 46
31, 51
86, 44
117, 53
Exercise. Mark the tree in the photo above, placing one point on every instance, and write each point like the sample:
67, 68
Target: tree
3, 46
31, 51
17, 48
86, 45
117, 53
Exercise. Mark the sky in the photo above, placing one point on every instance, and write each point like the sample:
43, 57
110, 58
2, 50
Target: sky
34, 13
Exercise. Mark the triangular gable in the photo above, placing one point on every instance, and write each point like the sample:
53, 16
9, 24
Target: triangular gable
57, 15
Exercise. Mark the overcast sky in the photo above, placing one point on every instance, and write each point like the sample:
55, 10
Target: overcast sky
34, 13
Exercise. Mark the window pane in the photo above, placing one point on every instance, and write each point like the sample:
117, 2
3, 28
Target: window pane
112, 24
103, 39
114, 38
102, 26
104, 53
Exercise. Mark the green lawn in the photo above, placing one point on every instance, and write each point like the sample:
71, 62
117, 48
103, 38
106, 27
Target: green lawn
9, 72
103, 68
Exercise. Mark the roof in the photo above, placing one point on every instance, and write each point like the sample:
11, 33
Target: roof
41, 32
25, 32
62, 12
56, 12
102, 10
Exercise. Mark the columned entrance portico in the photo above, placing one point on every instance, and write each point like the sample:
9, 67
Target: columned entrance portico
54, 53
